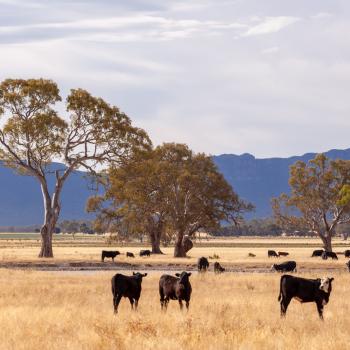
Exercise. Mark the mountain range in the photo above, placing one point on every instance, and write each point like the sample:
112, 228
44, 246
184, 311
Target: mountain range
255, 180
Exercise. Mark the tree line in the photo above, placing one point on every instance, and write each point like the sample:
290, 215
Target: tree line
167, 190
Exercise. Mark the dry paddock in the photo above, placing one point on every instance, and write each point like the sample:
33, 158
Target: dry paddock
73, 310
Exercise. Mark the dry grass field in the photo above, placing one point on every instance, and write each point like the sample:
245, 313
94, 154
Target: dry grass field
73, 309
233, 253
60, 310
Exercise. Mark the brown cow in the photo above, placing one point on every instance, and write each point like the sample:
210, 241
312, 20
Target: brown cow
175, 288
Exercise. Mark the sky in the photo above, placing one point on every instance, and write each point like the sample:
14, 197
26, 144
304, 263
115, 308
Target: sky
270, 78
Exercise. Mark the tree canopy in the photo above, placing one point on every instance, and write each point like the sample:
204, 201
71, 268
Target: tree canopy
169, 190
319, 199
93, 134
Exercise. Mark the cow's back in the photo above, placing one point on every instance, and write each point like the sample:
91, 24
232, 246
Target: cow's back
126, 285
167, 285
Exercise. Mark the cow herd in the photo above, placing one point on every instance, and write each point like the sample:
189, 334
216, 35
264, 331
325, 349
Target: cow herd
179, 288
113, 253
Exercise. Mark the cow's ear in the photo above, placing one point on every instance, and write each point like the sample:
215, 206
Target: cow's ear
189, 273
145, 274
133, 273
331, 279
177, 274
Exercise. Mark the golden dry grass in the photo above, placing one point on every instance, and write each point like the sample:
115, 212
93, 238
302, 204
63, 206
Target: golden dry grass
228, 256
43, 310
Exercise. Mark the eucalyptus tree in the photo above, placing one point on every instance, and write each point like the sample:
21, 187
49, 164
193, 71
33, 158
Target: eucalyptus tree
319, 198
169, 190
34, 135
134, 199
198, 196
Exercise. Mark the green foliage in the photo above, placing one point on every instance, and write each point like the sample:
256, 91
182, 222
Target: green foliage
255, 227
93, 134
167, 192
319, 198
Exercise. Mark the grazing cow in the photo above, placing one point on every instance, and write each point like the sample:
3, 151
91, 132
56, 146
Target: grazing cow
348, 265
175, 288
130, 255
283, 254
304, 290
317, 252
145, 252
272, 253
288, 266
203, 264
347, 253
251, 255
109, 254
127, 287
218, 268
326, 255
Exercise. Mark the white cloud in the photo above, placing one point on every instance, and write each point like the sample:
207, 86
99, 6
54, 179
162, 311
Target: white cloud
271, 25
270, 50
179, 73
322, 15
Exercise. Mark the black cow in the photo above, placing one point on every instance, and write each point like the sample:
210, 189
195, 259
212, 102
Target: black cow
127, 287
251, 255
109, 254
347, 253
283, 254
175, 288
348, 265
203, 264
317, 252
145, 252
218, 268
272, 253
130, 255
288, 266
304, 290
326, 255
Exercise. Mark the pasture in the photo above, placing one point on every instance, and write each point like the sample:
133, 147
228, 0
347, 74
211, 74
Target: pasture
84, 251
234, 310
62, 310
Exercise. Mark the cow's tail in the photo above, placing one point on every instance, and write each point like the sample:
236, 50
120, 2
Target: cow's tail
280, 295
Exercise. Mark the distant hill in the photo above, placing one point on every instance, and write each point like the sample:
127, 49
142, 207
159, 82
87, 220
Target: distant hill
256, 180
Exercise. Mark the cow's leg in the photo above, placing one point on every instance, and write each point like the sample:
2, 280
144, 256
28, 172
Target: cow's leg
166, 302
131, 302
113, 259
136, 303
187, 304
116, 301
180, 303
320, 309
284, 305
162, 300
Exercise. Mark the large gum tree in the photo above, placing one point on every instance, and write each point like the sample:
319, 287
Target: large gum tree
319, 198
33, 135
169, 190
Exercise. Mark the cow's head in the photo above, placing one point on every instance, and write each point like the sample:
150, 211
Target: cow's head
326, 284
273, 266
139, 275
184, 276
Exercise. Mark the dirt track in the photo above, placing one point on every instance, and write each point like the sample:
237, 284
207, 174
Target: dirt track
99, 266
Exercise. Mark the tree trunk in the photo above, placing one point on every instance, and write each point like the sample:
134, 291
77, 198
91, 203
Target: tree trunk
46, 242
182, 245
155, 241
327, 241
